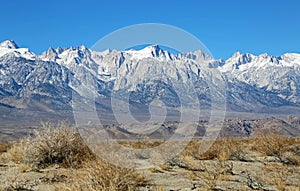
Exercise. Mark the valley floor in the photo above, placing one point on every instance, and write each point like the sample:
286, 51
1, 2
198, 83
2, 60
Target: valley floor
261, 163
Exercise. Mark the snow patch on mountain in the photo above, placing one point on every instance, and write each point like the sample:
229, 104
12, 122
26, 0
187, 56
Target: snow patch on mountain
9, 44
153, 51
10, 47
147, 74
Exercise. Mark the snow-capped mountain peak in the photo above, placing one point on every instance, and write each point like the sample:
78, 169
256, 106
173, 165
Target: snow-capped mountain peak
237, 54
59, 50
242, 58
155, 50
50, 54
9, 44
291, 58
152, 51
253, 81
236, 61
10, 47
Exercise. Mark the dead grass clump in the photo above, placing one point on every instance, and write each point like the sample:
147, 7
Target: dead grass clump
154, 170
271, 143
192, 164
212, 173
101, 175
165, 167
140, 144
15, 153
223, 150
192, 148
60, 145
4, 147
278, 175
23, 168
289, 158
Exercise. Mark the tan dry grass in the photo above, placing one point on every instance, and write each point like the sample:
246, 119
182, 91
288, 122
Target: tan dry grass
271, 143
59, 144
15, 153
4, 147
278, 175
266, 143
101, 175
141, 144
211, 174
165, 167
221, 149
62, 145
23, 168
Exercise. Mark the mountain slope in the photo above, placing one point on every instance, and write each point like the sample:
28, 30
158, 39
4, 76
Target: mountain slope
48, 81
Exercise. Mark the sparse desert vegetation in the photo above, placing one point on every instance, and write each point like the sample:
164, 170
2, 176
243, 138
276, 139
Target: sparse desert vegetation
65, 161
56, 158
4, 147
60, 145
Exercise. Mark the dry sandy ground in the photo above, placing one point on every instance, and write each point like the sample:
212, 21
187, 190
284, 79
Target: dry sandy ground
252, 171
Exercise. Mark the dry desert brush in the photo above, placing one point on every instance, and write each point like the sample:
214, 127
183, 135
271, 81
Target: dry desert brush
60, 144
101, 175
271, 143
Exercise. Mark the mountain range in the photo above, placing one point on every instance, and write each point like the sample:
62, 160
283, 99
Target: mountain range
47, 82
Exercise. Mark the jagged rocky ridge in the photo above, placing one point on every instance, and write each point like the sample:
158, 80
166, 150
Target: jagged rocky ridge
47, 82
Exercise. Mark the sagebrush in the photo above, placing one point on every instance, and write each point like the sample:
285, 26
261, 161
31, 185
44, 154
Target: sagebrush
60, 144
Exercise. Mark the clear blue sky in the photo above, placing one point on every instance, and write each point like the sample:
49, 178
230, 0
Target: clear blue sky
224, 26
